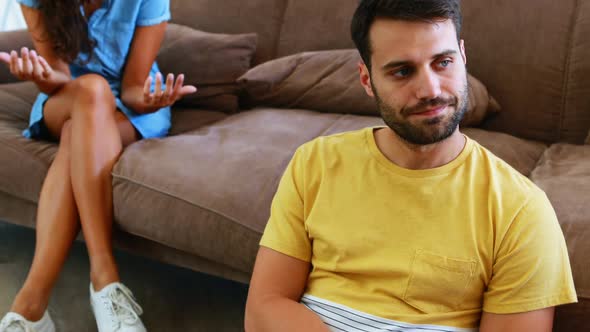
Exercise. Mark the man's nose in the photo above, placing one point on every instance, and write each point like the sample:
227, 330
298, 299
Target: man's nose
427, 85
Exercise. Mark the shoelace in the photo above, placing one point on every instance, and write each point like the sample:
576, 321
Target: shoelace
124, 307
14, 323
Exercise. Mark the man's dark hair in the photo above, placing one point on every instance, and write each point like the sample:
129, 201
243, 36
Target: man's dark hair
407, 10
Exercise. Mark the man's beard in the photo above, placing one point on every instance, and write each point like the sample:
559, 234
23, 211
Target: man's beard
429, 131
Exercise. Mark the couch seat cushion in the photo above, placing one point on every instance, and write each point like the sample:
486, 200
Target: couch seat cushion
564, 174
24, 162
208, 191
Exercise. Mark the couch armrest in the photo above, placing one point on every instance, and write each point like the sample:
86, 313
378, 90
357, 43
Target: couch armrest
12, 40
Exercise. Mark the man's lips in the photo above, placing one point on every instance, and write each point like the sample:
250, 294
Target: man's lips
431, 111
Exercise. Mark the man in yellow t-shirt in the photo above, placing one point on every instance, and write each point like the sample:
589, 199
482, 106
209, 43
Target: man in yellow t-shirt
412, 226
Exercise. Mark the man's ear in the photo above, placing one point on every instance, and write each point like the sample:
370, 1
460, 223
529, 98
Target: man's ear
365, 77
462, 46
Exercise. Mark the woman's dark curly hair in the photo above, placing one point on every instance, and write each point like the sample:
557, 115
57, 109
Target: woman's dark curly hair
66, 28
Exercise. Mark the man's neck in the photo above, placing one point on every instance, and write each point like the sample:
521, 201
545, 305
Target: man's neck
417, 157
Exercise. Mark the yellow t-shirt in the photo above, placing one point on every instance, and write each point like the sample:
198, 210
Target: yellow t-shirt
433, 246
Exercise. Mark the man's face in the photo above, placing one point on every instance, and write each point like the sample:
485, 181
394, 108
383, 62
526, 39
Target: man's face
418, 78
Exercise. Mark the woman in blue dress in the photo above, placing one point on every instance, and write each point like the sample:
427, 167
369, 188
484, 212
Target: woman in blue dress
101, 90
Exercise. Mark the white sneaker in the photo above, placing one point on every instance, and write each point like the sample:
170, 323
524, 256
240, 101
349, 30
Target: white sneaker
115, 309
14, 322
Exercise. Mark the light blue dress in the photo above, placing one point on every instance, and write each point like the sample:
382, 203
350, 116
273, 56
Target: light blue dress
112, 27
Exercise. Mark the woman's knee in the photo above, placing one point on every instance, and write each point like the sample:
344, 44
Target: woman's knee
93, 89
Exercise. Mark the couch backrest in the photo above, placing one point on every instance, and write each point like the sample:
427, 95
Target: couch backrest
533, 55
264, 17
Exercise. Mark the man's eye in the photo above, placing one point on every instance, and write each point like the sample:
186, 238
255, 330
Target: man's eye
404, 72
445, 63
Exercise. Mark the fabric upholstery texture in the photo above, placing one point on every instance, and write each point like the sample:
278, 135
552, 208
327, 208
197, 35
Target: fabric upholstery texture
263, 17
210, 61
328, 81
527, 74
22, 159
564, 174
304, 30
575, 121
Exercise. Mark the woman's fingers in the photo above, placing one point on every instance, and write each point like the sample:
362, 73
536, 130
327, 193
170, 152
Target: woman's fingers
14, 64
158, 89
187, 90
47, 70
147, 95
27, 65
169, 87
177, 87
37, 68
5, 57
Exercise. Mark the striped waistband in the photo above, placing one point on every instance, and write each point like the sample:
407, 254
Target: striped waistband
341, 318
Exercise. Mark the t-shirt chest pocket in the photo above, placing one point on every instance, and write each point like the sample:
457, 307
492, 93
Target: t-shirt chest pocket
438, 283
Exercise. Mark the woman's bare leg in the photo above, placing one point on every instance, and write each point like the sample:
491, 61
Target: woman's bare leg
95, 147
57, 226
57, 217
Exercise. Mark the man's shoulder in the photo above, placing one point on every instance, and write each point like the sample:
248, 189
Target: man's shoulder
505, 179
336, 142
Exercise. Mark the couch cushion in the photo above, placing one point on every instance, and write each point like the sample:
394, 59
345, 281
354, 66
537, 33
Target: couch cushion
210, 61
208, 191
263, 17
24, 162
564, 174
328, 81
525, 73
311, 25
519, 153
576, 117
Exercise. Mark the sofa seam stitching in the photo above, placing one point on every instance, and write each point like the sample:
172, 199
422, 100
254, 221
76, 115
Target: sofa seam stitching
154, 189
566, 81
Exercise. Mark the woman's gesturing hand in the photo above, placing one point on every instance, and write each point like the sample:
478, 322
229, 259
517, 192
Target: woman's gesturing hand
28, 67
173, 91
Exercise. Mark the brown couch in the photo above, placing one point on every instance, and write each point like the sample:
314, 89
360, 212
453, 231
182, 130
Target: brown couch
200, 198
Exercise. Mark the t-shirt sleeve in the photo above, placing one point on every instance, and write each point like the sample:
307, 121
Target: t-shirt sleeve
152, 12
29, 3
285, 231
532, 269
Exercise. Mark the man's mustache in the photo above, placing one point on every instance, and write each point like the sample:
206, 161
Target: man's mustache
422, 106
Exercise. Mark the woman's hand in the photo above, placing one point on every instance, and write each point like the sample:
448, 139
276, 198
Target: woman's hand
173, 91
31, 66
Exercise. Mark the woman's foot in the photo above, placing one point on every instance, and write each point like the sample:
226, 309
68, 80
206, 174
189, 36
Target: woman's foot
14, 322
115, 309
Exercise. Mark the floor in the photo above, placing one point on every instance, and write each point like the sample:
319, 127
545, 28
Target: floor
173, 299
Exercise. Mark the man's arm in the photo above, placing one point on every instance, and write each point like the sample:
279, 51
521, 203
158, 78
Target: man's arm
538, 321
278, 282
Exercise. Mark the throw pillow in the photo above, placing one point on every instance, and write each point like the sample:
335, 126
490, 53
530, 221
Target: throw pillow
328, 81
210, 61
